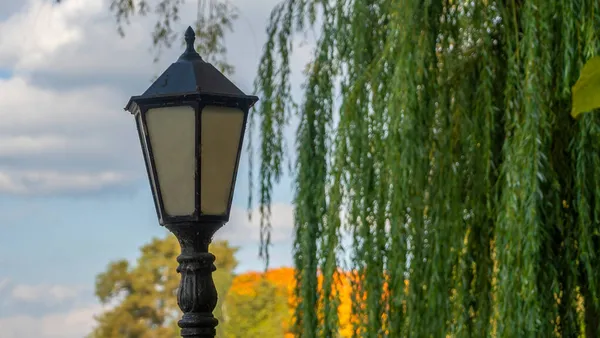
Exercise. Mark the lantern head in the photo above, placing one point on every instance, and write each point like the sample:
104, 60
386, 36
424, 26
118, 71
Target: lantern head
191, 124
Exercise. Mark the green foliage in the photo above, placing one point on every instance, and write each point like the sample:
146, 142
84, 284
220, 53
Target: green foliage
145, 295
442, 129
586, 90
214, 19
256, 314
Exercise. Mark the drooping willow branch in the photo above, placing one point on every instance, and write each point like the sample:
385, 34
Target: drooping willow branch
213, 20
441, 128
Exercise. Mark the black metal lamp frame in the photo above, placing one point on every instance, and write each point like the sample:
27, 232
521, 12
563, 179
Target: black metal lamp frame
191, 82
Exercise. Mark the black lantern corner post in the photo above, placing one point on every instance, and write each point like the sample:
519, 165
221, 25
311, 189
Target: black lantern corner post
191, 124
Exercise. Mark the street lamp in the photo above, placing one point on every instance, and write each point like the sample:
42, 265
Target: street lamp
191, 124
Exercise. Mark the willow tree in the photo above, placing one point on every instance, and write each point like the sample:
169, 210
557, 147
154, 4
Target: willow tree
441, 129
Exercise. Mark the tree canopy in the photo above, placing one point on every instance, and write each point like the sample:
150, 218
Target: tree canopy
257, 306
214, 18
145, 295
441, 128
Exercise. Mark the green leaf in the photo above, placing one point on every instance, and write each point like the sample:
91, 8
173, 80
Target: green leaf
586, 91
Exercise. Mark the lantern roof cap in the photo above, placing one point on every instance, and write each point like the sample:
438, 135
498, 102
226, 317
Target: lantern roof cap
190, 75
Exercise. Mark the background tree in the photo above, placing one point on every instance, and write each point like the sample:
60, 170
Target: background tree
145, 294
258, 310
265, 302
261, 303
214, 19
442, 129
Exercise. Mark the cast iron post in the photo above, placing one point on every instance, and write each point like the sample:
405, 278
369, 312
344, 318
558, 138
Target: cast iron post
197, 294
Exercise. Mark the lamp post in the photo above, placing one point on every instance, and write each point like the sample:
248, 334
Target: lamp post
191, 124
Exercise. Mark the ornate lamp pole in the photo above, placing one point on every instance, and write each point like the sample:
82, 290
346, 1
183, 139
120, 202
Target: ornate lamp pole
191, 124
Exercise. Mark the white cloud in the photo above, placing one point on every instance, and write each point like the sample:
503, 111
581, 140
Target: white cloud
7, 184
49, 182
26, 107
60, 141
30, 144
42, 29
48, 311
78, 39
45, 293
239, 230
75, 323
62, 123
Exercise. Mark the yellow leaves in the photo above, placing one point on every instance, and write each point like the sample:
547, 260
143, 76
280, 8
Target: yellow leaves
283, 279
255, 290
586, 91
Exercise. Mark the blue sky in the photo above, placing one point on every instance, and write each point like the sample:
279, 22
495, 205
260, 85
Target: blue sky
73, 191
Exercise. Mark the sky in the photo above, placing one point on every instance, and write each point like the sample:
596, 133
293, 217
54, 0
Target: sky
74, 194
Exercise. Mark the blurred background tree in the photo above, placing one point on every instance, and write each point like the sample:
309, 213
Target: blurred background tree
261, 312
144, 294
260, 304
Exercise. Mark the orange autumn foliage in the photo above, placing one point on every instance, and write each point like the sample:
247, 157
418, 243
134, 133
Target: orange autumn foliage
283, 279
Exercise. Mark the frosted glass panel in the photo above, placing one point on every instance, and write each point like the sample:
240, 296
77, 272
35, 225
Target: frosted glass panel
143, 132
221, 132
173, 140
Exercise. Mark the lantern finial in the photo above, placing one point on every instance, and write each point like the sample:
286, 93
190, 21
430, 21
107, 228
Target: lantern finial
190, 53
190, 37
